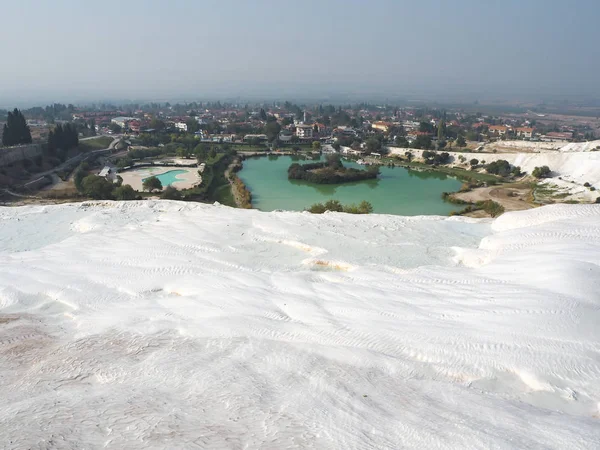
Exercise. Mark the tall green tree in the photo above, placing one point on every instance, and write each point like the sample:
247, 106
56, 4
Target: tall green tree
272, 130
192, 125
16, 131
92, 125
441, 132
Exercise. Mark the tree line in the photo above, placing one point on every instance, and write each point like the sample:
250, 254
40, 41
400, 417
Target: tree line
63, 137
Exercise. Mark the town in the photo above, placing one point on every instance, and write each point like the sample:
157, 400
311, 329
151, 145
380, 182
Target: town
134, 151
287, 123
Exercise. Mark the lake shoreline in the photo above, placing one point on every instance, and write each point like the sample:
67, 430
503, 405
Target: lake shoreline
399, 190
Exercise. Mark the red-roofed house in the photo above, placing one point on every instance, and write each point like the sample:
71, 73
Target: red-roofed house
525, 132
500, 130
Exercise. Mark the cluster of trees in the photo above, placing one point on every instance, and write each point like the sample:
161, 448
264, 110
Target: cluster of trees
434, 158
422, 141
363, 207
51, 112
63, 137
15, 130
330, 172
501, 168
541, 172
94, 186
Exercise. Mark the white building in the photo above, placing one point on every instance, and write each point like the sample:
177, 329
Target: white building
304, 131
122, 121
181, 126
284, 137
345, 130
260, 137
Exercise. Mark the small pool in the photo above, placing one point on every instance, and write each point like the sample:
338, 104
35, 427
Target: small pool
168, 178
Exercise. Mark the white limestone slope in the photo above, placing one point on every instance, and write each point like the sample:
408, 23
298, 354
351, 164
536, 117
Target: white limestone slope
178, 325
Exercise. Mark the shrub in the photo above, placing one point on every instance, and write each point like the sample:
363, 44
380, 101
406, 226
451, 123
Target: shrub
363, 207
319, 208
586, 184
78, 179
491, 207
152, 183
171, 193
474, 162
333, 205
125, 192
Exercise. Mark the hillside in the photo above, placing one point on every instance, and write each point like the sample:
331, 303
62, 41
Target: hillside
181, 325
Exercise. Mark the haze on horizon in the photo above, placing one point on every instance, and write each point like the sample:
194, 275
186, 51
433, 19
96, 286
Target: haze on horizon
69, 50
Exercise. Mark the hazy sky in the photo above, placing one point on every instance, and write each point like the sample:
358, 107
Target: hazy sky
71, 50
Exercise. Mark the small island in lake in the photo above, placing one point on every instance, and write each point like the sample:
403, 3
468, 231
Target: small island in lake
331, 171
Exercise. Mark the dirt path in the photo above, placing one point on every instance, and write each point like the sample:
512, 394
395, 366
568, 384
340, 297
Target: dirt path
514, 197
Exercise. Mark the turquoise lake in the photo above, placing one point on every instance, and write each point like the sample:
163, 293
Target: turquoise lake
397, 191
168, 178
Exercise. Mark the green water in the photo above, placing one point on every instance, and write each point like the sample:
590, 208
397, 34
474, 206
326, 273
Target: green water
168, 178
397, 191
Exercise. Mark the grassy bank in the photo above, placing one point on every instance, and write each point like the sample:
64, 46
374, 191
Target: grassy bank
494, 209
214, 182
461, 174
99, 143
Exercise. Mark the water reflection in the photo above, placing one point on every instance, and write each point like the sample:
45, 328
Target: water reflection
330, 189
425, 175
